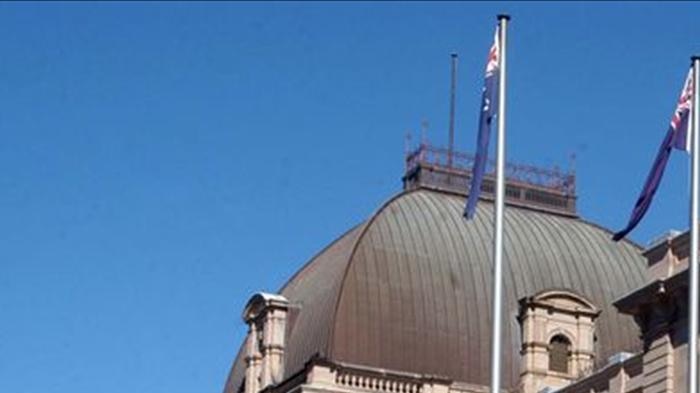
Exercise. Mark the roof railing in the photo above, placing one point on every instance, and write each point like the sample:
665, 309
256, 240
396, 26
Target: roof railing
551, 179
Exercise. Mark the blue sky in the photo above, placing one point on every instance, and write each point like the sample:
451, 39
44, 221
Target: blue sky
161, 162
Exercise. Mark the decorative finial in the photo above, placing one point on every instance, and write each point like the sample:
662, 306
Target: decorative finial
424, 131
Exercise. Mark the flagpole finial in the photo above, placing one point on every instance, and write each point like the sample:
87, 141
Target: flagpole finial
503, 16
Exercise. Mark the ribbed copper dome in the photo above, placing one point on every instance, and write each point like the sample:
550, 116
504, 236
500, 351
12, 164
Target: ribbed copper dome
410, 289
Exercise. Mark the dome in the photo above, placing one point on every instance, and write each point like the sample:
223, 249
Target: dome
410, 288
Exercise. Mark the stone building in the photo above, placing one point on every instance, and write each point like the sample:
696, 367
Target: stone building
400, 303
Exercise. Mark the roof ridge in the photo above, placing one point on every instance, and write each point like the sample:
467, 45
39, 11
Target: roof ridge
313, 259
366, 225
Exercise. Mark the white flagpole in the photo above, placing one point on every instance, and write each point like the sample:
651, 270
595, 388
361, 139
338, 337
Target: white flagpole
694, 238
498, 212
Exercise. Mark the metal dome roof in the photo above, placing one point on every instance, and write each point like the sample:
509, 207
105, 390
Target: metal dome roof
410, 289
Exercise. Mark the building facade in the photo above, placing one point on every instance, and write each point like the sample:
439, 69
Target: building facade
401, 302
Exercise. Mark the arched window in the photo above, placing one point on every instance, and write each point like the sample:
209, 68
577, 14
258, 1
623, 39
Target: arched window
559, 348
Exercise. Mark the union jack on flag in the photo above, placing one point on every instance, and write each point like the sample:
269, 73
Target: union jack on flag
492, 60
681, 116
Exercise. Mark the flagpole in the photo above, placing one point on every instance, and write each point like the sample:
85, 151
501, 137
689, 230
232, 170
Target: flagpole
496, 335
694, 235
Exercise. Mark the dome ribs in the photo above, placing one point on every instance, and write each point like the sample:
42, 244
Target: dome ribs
410, 289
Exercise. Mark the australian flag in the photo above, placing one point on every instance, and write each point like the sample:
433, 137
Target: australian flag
677, 136
489, 109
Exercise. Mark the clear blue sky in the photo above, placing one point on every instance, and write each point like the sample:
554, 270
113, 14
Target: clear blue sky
161, 162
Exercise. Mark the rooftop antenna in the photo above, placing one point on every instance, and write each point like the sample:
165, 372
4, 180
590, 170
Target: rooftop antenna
407, 142
407, 147
572, 163
424, 132
451, 143
571, 176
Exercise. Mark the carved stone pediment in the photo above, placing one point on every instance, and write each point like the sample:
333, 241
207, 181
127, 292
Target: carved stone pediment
558, 339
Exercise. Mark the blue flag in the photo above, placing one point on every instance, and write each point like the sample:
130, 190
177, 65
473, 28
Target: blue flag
489, 109
677, 137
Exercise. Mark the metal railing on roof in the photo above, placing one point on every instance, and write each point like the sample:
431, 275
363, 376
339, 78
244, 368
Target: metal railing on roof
551, 179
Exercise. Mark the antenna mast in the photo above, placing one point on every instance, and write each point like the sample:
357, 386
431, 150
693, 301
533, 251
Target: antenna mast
453, 82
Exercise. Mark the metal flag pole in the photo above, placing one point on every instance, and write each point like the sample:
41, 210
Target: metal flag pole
496, 335
694, 235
